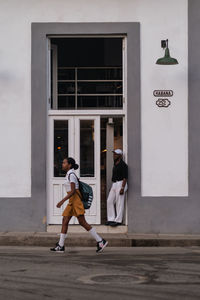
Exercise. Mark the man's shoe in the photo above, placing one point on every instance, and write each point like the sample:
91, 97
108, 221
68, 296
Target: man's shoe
58, 248
109, 223
101, 245
114, 224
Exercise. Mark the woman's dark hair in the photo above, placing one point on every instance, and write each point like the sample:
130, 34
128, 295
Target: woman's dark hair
72, 162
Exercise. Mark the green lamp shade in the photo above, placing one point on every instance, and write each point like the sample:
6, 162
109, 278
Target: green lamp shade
167, 59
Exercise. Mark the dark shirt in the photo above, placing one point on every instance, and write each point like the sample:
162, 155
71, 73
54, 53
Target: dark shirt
120, 171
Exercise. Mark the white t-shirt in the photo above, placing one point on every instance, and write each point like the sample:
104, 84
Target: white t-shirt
69, 179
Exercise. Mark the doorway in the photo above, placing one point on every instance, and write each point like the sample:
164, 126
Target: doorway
111, 138
86, 116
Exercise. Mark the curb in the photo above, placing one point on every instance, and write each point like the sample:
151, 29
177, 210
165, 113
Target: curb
84, 240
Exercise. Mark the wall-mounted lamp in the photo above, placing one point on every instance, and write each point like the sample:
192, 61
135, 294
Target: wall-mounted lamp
167, 59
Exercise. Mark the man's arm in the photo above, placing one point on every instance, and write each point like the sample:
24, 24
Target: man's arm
123, 186
124, 179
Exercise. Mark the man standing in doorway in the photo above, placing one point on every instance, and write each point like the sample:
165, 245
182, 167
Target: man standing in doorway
116, 197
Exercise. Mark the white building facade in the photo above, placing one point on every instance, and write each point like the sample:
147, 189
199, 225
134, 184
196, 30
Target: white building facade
79, 78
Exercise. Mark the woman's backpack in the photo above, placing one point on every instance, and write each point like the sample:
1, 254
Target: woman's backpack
86, 193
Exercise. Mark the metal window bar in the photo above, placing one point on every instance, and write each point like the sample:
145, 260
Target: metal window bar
72, 68
89, 95
76, 89
91, 80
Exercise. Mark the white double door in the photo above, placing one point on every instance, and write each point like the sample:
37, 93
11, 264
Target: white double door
77, 137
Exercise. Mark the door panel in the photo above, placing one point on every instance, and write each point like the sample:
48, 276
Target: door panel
78, 137
87, 137
87, 143
58, 146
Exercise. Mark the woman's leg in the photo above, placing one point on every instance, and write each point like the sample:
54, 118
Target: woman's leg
82, 221
89, 228
65, 222
64, 229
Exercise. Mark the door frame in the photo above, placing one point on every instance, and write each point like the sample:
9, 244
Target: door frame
101, 112
35, 205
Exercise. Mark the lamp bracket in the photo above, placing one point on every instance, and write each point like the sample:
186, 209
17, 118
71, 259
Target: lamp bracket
163, 44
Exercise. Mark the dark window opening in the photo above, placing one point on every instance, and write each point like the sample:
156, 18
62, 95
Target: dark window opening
116, 136
86, 73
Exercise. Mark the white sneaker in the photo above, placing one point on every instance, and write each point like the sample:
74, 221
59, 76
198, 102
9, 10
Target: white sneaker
58, 248
101, 245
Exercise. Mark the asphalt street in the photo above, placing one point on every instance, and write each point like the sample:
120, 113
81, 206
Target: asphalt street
117, 273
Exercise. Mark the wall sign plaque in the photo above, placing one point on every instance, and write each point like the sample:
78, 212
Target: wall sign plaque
163, 102
163, 93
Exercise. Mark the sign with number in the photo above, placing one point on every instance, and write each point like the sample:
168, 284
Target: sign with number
163, 102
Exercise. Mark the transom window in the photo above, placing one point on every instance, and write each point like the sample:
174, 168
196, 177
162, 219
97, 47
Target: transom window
86, 73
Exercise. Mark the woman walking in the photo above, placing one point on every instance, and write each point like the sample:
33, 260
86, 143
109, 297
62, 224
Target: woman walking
74, 208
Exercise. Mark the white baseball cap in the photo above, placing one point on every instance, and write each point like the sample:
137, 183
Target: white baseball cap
118, 151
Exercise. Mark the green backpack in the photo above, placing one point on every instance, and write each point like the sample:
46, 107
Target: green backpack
86, 193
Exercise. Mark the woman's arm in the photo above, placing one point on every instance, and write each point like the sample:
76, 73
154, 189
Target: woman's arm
71, 193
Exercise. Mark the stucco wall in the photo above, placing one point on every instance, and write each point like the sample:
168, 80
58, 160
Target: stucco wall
160, 201
164, 131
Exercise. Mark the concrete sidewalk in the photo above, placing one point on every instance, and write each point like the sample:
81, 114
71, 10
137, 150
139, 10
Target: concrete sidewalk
47, 239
